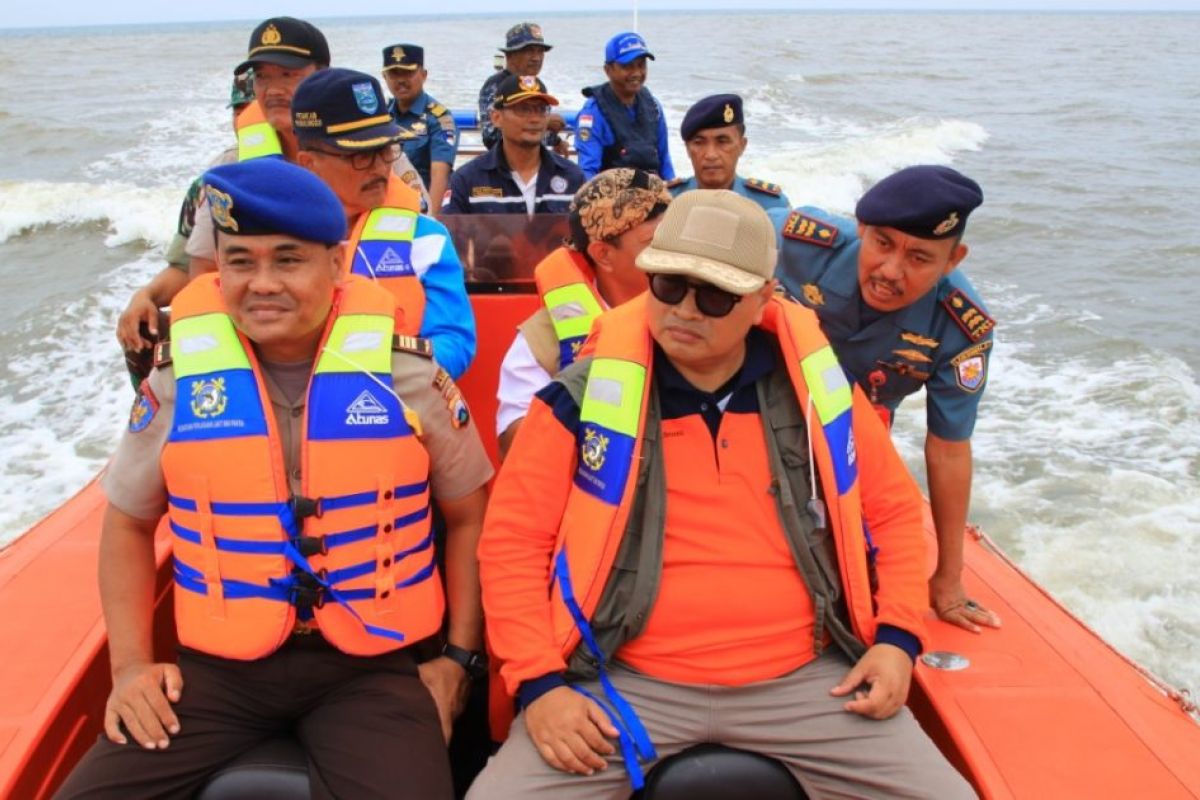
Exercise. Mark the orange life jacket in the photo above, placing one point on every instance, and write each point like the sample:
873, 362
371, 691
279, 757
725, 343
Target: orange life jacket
255, 136
610, 437
568, 291
380, 248
356, 545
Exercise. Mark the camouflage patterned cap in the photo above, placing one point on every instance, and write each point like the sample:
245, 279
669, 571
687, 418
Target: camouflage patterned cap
242, 91
613, 202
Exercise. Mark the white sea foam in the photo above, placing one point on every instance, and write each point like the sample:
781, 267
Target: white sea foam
132, 213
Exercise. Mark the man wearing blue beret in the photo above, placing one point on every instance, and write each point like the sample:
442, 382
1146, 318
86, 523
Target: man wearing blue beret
901, 317
348, 139
714, 132
427, 130
295, 446
621, 124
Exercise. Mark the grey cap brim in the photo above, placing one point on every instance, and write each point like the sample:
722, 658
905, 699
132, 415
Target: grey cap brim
718, 273
522, 47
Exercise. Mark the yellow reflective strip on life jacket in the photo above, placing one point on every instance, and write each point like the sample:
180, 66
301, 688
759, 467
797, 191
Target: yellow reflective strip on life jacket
572, 309
358, 342
257, 141
827, 384
390, 225
613, 396
206, 343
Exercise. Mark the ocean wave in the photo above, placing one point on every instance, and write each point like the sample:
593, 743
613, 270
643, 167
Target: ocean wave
132, 213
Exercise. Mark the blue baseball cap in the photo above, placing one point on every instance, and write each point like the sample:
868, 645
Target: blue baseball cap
344, 109
270, 196
926, 201
625, 47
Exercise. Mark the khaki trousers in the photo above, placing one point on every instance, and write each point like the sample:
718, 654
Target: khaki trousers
832, 753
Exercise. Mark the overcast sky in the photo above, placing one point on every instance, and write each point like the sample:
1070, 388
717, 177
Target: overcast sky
88, 12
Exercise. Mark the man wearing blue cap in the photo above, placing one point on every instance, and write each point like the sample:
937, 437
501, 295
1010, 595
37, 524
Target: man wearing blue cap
295, 445
901, 317
621, 124
714, 132
349, 140
427, 130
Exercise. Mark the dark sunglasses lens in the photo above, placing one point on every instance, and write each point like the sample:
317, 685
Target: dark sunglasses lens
669, 289
714, 302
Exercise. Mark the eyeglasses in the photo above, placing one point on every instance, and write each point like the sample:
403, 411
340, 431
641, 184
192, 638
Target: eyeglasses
710, 301
366, 159
529, 109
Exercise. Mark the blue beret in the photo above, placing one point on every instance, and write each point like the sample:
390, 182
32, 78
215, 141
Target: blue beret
266, 196
925, 201
715, 111
343, 109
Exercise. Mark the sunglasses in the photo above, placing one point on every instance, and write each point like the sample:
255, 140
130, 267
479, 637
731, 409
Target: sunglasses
710, 301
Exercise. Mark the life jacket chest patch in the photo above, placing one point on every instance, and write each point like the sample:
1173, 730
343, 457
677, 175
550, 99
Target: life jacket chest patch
367, 410
387, 259
804, 228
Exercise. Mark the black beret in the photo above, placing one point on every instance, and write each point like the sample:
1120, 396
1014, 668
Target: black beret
715, 111
929, 202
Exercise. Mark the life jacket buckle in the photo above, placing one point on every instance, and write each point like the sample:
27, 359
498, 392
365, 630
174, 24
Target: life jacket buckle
303, 507
306, 591
311, 546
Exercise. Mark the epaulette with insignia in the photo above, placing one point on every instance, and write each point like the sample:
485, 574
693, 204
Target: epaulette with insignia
804, 228
766, 187
973, 320
162, 354
437, 109
402, 343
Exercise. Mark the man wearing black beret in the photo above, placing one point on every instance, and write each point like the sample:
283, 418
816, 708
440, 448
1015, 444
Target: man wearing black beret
901, 317
714, 132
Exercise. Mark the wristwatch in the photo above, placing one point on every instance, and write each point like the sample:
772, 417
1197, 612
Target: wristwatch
473, 661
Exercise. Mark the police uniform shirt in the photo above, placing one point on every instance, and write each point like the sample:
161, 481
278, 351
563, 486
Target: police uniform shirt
458, 464
891, 355
427, 133
485, 185
768, 195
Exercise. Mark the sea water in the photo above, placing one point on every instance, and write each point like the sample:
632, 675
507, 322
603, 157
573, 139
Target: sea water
1081, 129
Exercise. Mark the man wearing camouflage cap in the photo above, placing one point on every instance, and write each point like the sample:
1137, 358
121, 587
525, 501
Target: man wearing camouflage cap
660, 567
295, 447
902, 317
714, 133
612, 219
524, 51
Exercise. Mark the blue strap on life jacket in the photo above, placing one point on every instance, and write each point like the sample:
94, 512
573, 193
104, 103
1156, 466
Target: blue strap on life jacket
634, 739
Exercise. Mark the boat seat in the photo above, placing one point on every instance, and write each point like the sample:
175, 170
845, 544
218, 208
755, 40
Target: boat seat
277, 769
716, 772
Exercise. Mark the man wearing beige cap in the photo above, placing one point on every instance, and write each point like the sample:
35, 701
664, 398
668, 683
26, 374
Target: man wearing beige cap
612, 220
675, 550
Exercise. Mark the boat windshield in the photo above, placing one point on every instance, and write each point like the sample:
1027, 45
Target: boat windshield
500, 251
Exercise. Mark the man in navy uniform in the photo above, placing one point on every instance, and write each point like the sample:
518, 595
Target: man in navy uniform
519, 175
621, 124
427, 130
714, 132
901, 317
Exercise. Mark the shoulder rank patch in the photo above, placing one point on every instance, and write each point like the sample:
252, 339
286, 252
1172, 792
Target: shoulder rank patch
162, 353
970, 317
437, 109
460, 415
970, 367
766, 187
145, 406
804, 228
412, 344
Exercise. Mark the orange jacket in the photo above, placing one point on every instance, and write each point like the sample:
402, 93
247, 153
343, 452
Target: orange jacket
380, 248
567, 287
246, 551
566, 494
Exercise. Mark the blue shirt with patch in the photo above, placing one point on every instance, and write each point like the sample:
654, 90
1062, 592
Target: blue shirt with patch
764, 197
894, 354
426, 135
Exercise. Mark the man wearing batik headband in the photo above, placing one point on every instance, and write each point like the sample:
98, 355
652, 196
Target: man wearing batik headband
902, 317
295, 447
519, 174
612, 218
660, 566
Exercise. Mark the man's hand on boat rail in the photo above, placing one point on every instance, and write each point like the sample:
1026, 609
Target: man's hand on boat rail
139, 701
879, 682
949, 599
141, 309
